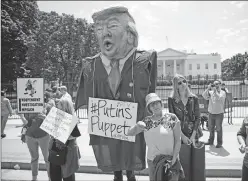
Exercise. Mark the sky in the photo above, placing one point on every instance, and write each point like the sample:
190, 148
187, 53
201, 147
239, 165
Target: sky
201, 27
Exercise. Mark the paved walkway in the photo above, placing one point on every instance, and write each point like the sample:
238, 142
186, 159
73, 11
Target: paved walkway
224, 162
18, 175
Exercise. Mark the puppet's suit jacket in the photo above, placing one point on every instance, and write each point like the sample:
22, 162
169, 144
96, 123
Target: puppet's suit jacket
138, 78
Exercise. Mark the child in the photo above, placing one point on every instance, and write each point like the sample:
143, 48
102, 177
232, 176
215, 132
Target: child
162, 134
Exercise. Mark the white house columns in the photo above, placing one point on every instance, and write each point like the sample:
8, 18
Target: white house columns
170, 58
164, 68
175, 67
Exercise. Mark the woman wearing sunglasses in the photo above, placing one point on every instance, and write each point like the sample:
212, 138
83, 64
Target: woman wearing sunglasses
184, 104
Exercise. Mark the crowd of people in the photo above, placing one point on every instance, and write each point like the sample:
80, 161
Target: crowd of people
36, 138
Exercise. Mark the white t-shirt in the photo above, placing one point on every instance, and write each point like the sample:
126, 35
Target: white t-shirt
159, 136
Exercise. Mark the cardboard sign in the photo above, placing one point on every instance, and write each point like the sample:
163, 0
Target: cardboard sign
59, 124
112, 119
30, 95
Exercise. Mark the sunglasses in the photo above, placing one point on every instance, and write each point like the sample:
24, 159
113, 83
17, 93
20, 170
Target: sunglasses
184, 81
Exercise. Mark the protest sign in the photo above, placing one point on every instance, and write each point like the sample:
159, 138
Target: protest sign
111, 118
30, 95
59, 124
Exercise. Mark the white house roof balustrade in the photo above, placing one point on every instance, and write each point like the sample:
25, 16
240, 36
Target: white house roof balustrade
172, 61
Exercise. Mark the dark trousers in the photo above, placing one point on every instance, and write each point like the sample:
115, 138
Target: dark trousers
193, 163
216, 120
118, 175
244, 173
56, 175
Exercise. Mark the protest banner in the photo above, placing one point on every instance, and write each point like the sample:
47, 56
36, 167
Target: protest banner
30, 95
111, 118
59, 124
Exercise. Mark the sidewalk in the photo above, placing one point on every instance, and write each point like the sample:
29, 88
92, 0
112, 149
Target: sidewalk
18, 175
224, 162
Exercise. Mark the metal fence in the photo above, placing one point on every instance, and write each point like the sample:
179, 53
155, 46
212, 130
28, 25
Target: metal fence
236, 103
236, 106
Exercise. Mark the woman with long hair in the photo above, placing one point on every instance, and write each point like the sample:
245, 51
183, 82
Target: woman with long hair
66, 171
185, 105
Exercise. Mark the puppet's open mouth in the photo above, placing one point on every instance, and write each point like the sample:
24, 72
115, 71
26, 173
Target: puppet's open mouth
108, 44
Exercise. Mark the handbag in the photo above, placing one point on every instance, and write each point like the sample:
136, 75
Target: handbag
57, 156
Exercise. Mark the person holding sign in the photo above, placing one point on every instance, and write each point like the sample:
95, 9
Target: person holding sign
35, 138
163, 138
71, 156
119, 72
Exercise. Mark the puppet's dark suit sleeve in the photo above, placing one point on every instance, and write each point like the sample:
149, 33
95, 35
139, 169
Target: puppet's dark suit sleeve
153, 72
85, 88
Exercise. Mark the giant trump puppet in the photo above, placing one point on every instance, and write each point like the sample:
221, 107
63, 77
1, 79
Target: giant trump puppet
119, 72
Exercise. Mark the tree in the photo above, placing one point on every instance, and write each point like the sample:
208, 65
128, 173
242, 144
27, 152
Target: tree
19, 24
38, 59
236, 66
60, 45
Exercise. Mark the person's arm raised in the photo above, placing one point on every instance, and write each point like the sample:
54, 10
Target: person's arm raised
138, 128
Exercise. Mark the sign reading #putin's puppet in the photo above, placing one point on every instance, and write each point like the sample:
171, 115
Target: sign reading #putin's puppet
111, 118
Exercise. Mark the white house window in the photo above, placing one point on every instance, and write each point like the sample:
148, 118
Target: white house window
198, 66
178, 67
190, 66
206, 66
215, 65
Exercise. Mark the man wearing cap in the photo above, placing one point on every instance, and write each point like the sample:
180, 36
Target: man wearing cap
119, 72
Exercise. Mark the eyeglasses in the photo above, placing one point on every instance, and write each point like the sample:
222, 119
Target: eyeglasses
184, 81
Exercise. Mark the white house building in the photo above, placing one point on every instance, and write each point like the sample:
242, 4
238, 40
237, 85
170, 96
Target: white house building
171, 61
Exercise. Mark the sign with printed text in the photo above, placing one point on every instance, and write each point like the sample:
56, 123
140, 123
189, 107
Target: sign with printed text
30, 95
59, 124
111, 118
